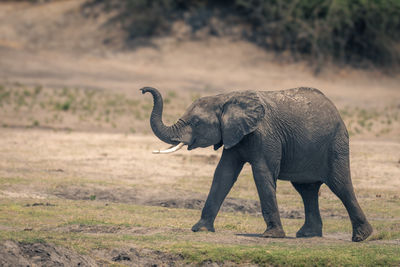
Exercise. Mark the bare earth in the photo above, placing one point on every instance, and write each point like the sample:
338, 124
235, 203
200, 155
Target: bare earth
110, 164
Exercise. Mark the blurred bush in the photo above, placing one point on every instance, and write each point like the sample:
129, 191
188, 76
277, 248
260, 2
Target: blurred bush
357, 32
362, 33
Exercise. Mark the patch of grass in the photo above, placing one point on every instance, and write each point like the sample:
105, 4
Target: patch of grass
279, 254
386, 231
272, 253
80, 107
37, 89
32, 240
382, 235
86, 221
65, 106
8, 181
172, 94
194, 248
375, 121
4, 94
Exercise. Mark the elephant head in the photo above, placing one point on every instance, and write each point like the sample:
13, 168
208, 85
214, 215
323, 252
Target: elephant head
214, 120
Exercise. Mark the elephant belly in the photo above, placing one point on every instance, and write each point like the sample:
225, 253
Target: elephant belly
301, 177
305, 169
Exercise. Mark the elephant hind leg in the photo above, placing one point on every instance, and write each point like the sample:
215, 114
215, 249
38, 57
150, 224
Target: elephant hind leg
313, 223
361, 228
339, 181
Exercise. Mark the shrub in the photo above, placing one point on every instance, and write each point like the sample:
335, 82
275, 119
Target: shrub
357, 32
349, 31
65, 106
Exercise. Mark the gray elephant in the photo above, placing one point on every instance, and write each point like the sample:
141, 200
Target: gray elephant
295, 135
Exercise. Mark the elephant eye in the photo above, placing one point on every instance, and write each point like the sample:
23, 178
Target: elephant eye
195, 121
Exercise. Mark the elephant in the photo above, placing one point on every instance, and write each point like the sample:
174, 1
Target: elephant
295, 135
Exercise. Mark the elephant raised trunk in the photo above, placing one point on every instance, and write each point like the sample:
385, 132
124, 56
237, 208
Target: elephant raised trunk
167, 134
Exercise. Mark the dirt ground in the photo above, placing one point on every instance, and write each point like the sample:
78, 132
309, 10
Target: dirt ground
45, 163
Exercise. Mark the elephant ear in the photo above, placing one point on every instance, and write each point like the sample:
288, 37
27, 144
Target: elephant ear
241, 115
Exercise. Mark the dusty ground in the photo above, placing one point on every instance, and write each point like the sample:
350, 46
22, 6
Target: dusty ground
75, 144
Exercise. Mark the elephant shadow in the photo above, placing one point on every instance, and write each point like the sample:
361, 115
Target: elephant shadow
260, 236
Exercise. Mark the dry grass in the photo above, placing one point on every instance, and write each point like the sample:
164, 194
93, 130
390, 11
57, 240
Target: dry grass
81, 109
108, 111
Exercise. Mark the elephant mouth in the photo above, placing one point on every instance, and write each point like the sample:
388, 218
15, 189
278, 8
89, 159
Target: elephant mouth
192, 145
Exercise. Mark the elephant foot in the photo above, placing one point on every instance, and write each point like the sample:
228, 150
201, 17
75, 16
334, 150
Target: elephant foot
203, 226
362, 232
310, 231
275, 232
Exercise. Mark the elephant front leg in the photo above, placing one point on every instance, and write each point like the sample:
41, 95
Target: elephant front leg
225, 176
266, 188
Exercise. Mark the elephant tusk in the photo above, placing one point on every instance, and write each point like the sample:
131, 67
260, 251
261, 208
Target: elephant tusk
169, 150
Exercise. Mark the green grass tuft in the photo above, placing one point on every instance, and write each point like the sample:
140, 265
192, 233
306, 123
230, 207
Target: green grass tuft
278, 254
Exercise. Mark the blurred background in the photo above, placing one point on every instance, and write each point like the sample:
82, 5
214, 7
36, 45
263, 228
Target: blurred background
78, 64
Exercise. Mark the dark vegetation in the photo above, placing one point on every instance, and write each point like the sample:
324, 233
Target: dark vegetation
362, 33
